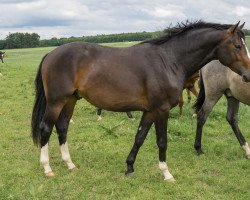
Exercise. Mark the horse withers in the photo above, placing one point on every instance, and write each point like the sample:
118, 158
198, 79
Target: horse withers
147, 77
217, 80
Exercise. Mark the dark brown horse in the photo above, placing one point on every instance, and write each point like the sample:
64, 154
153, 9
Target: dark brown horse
147, 77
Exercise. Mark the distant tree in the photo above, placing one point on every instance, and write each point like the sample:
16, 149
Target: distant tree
22, 40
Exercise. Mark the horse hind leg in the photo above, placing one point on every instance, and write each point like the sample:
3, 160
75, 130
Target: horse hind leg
181, 103
62, 129
52, 112
232, 118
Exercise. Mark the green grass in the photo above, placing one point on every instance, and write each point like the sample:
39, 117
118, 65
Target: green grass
99, 149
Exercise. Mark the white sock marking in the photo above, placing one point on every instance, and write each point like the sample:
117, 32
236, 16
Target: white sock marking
246, 148
99, 118
44, 159
164, 168
246, 48
66, 156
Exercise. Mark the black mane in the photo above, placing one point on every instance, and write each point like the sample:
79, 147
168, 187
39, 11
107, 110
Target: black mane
182, 28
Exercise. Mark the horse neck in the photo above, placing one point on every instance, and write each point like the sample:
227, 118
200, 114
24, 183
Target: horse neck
195, 49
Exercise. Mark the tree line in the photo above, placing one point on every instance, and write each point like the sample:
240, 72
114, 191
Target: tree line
29, 40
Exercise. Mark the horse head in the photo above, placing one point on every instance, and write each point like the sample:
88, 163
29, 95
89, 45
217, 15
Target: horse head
233, 51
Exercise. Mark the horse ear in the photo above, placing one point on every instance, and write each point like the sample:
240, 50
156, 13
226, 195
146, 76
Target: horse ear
241, 26
233, 28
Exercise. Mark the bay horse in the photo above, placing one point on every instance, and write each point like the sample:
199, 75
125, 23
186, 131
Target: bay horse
189, 86
217, 80
99, 112
147, 77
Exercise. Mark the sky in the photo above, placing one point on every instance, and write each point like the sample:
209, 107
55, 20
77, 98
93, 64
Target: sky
66, 18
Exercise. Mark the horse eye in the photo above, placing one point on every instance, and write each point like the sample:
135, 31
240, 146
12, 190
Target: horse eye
237, 46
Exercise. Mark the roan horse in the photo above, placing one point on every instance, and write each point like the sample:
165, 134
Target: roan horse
218, 80
147, 77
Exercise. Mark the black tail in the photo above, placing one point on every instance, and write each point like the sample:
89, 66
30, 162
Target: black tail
201, 96
39, 106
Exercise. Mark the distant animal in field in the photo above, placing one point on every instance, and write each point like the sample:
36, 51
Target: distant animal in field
189, 85
147, 77
2, 56
99, 112
216, 80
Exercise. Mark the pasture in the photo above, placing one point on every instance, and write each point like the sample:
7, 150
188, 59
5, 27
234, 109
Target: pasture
100, 148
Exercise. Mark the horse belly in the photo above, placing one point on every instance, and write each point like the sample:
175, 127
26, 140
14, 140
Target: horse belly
113, 95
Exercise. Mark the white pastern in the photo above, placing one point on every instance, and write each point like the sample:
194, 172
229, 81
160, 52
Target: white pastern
99, 118
167, 175
247, 149
44, 159
246, 48
66, 156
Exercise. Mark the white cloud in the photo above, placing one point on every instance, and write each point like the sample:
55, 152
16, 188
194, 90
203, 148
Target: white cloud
87, 17
168, 11
241, 11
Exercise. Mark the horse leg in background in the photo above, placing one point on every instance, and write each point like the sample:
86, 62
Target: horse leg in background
130, 116
181, 103
194, 91
189, 95
202, 115
144, 126
62, 129
161, 120
232, 118
52, 112
98, 113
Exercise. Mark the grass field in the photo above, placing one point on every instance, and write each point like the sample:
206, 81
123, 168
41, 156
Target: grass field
100, 148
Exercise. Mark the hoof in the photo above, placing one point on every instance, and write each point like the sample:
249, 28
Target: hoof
73, 169
129, 174
171, 180
248, 156
199, 152
99, 118
50, 174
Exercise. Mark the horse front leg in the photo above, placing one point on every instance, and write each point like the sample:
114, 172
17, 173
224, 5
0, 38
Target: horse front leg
161, 120
144, 126
232, 118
